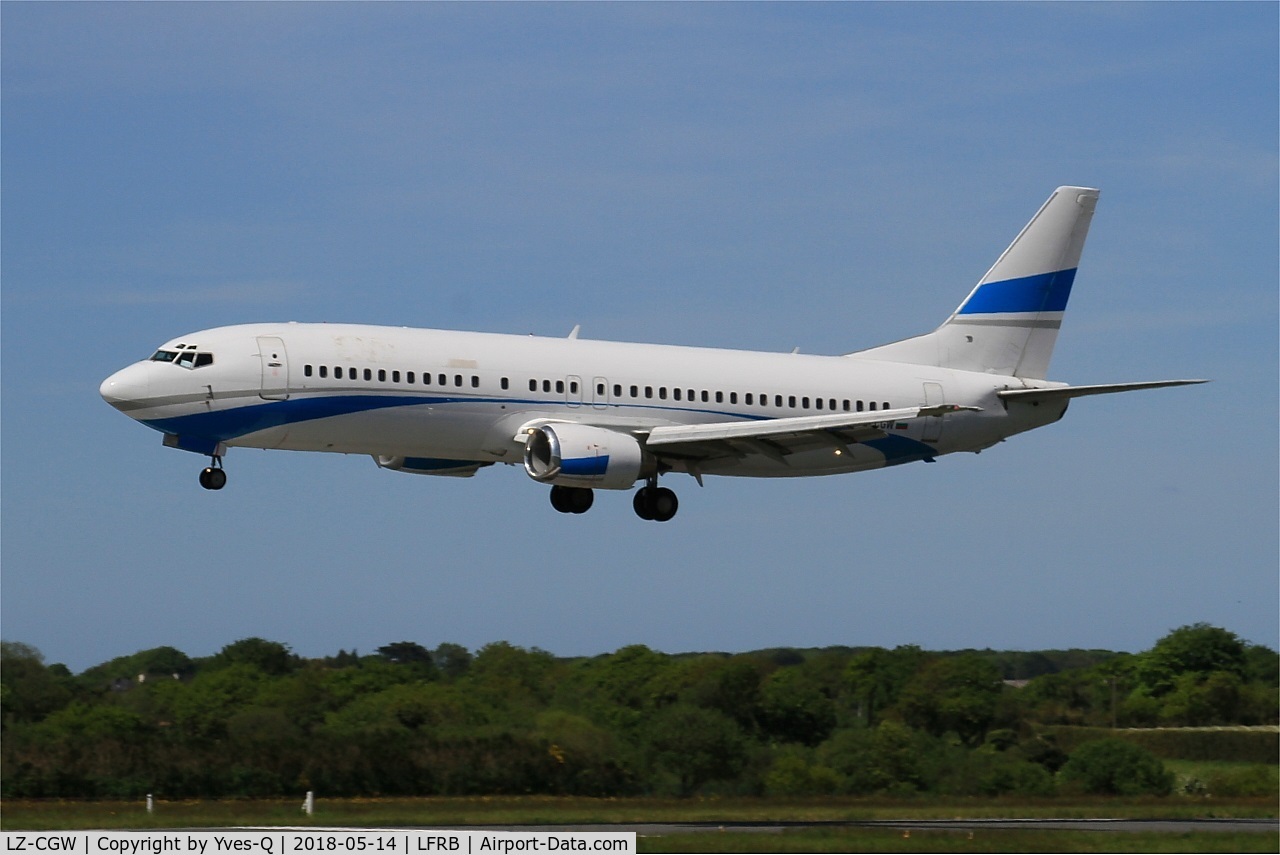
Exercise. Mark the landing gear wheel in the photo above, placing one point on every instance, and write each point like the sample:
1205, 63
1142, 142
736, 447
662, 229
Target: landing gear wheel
655, 503
572, 500
212, 478
665, 504
643, 504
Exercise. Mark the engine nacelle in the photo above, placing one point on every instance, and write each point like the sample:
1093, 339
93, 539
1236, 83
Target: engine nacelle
572, 455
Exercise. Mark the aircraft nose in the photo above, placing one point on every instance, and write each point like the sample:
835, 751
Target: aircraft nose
125, 389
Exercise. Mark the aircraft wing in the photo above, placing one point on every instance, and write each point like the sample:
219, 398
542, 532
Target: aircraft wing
776, 438
1059, 393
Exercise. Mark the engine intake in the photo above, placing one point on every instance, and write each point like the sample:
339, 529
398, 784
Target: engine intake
572, 455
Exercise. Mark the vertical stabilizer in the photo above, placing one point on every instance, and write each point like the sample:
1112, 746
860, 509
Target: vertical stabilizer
1009, 322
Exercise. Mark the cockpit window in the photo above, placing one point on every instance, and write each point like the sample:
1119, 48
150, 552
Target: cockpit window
185, 358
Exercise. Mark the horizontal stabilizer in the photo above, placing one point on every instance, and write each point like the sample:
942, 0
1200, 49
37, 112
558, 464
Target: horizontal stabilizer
1060, 393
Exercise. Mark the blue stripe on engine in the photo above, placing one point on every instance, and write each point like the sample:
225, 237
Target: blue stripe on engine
1044, 292
584, 466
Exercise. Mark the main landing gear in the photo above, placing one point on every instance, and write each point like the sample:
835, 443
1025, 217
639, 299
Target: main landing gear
651, 501
213, 477
655, 503
572, 500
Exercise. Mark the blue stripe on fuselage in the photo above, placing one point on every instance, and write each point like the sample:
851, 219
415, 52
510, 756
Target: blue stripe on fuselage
1044, 292
231, 423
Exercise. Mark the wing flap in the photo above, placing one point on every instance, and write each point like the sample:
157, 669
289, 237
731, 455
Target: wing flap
797, 431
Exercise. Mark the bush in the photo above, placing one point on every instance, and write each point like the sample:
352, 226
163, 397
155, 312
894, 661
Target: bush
1116, 767
1244, 782
790, 775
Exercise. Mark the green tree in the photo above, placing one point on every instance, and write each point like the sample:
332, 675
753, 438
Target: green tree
793, 707
405, 653
877, 676
29, 690
453, 660
732, 687
886, 758
1196, 649
957, 694
512, 677
270, 657
696, 745
1116, 767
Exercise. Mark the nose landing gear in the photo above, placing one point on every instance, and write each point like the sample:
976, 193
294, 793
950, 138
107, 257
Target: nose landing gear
212, 477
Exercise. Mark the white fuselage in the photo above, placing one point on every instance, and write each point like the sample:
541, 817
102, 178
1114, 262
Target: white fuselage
440, 396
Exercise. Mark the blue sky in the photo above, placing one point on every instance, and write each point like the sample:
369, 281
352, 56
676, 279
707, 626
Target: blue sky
755, 176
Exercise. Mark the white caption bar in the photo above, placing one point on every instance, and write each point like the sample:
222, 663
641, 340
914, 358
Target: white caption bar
317, 841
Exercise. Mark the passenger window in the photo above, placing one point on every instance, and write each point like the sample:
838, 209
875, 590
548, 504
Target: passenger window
818, 403
617, 390
324, 371
457, 380
382, 375
559, 387
635, 392
777, 400
845, 404
791, 401
804, 402
676, 393
306, 371
475, 381
747, 399
442, 380
706, 399
368, 374
533, 385
410, 377
395, 376
884, 405
648, 391
719, 397
506, 383
873, 405
662, 392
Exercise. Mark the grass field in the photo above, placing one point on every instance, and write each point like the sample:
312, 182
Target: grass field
549, 811
886, 840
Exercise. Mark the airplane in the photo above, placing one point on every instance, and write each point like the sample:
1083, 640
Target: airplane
582, 415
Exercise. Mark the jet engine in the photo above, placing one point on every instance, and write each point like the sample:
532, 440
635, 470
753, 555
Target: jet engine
572, 455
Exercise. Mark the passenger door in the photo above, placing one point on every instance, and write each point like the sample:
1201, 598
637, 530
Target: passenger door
275, 368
